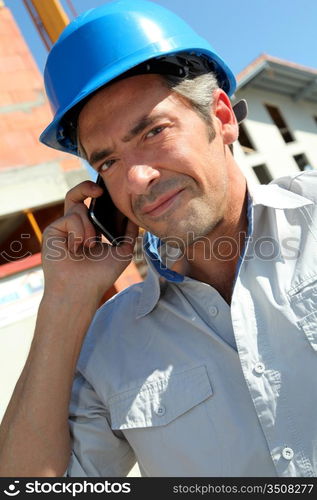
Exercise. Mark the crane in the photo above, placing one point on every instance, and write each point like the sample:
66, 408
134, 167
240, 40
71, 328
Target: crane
49, 18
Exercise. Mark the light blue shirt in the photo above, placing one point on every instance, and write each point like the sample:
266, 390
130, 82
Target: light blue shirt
172, 376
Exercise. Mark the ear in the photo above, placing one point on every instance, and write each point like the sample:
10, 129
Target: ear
222, 110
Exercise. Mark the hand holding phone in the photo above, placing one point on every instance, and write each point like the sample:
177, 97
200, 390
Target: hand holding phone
106, 217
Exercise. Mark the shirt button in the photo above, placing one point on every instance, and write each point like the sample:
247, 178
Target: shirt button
259, 368
287, 453
213, 311
160, 411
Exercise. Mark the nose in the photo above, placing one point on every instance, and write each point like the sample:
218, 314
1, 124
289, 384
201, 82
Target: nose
140, 177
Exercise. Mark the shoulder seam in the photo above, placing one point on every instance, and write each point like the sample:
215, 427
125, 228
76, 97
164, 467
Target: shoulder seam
118, 295
294, 178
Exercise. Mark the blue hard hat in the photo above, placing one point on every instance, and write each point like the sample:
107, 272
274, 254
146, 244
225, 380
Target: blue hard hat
107, 42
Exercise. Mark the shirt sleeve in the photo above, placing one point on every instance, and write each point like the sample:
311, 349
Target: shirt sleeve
97, 451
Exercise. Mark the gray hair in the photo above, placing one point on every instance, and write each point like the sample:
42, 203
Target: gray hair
198, 91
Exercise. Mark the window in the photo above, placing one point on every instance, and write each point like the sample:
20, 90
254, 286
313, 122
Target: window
302, 162
245, 140
262, 173
279, 121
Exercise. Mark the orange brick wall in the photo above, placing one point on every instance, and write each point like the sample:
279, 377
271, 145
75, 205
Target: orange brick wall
24, 111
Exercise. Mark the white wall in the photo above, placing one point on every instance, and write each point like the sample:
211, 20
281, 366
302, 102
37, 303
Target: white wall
270, 146
20, 296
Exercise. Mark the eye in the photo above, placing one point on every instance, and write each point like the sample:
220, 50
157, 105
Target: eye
154, 131
106, 165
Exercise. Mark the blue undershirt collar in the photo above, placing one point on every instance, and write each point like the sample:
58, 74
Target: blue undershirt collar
153, 247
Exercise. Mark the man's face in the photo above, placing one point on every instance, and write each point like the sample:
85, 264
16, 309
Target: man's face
156, 158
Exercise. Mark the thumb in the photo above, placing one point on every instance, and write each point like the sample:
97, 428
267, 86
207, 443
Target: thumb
124, 245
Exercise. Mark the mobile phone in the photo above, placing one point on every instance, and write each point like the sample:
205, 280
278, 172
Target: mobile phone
106, 217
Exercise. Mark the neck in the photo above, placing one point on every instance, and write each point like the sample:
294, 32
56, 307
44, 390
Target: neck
214, 258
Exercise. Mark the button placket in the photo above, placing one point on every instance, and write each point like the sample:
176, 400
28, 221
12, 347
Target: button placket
287, 453
213, 311
259, 368
160, 410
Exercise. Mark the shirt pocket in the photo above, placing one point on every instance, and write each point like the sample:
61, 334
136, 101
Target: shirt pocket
160, 401
303, 300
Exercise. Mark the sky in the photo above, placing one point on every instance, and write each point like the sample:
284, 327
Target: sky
239, 31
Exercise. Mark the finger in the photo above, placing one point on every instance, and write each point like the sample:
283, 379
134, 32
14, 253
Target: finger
76, 233
132, 230
127, 243
76, 195
90, 236
71, 228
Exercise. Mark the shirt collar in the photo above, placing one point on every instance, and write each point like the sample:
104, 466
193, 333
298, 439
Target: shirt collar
159, 259
151, 290
274, 196
162, 257
158, 272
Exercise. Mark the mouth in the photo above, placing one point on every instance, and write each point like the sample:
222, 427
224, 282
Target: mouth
161, 204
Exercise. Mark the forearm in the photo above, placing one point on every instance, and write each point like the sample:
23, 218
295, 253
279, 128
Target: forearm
34, 435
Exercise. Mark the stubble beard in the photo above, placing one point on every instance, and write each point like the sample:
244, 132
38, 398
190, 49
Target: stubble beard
198, 223
194, 219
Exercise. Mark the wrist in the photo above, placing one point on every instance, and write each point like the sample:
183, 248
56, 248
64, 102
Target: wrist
68, 305
63, 296
62, 318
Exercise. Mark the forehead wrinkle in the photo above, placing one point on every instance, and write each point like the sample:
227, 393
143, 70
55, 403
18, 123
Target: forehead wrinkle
99, 155
135, 130
140, 125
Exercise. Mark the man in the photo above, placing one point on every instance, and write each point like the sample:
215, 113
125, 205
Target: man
208, 367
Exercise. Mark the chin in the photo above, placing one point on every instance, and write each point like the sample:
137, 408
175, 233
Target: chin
186, 229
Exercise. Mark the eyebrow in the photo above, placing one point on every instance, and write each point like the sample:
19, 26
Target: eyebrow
140, 125
96, 156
